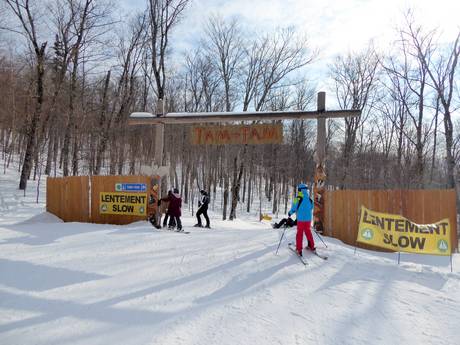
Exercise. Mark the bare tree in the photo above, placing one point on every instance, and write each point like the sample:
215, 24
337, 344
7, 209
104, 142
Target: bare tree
164, 15
130, 50
408, 86
441, 64
62, 21
225, 50
90, 17
26, 12
285, 53
354, 77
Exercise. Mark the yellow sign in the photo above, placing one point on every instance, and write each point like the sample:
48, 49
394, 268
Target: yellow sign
132, 204
222, 135
265, 217
400, 234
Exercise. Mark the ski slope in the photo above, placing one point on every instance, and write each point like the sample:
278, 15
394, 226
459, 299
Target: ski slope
74, 283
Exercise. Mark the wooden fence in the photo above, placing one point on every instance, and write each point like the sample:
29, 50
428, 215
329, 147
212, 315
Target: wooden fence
68, 198
342, 209
77, 199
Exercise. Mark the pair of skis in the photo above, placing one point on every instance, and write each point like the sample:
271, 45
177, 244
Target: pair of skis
178, 231
301, 258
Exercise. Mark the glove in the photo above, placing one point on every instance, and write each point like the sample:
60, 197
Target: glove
289, 214
159, 202
199, 203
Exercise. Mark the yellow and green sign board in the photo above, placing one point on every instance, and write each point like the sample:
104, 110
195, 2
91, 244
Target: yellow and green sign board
397, 233
130, 204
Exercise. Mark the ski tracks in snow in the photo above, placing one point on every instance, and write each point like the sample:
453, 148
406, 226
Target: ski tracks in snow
91, 284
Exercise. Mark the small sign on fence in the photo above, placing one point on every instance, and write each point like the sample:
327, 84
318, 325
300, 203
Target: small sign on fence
132, 204
130, 187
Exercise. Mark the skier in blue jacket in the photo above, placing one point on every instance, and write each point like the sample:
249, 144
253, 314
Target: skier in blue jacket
302, 205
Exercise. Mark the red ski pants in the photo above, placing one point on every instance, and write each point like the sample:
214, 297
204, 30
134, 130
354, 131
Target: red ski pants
304, 227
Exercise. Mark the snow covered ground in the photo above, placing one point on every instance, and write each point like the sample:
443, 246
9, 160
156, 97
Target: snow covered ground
74, 283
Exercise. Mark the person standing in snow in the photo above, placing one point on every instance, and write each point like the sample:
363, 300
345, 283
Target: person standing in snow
203, 209
152, 208
174, 208
302, 205
164, 206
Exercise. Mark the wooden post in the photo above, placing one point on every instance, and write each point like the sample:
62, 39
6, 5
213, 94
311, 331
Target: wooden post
321, 129
159, 148
159, 134
320, 172
159, 143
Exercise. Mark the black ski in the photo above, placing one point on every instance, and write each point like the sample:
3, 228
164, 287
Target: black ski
177, 231
291, 246
182, 231
324, 257
297, 254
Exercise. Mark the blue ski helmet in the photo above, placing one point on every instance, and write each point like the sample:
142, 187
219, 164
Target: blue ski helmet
302, 190
302, 186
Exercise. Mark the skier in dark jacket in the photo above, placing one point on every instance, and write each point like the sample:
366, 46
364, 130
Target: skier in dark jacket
174, 208
203, 209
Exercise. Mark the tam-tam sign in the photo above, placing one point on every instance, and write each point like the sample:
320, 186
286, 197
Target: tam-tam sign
397, 233
251, 134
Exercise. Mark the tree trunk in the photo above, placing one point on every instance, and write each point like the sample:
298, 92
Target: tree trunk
249, 199
31, 131
103, 126
449, 147
226, 186
236, 186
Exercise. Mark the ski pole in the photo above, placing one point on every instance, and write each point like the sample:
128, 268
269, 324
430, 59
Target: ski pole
280, 240
320, 237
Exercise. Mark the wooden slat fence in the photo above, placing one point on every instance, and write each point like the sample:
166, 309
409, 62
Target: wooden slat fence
420, 206
68, 198
76, 198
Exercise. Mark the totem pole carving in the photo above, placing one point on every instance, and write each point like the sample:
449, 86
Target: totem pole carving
320, 172
319, 189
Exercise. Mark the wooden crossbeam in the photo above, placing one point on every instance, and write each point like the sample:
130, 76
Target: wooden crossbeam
217, 117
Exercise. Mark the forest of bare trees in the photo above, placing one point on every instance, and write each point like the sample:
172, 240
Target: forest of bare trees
71, 72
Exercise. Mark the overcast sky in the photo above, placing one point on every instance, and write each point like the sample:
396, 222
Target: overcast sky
333, 26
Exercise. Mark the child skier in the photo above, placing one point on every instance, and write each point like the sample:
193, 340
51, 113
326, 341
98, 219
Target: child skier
302, 205
174, 208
